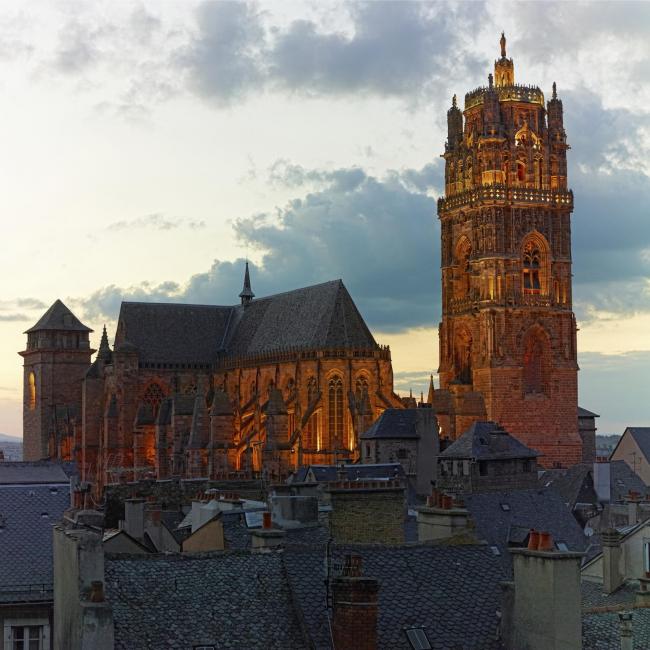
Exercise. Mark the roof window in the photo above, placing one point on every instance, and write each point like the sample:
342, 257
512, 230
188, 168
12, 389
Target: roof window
417, 637
505, 507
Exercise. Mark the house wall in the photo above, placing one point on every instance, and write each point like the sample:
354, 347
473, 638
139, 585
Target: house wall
207, 538
628, 451
25, 614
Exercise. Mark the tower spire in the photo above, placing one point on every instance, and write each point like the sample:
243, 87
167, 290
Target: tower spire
246, 294
503, 45
431, 391
104, 351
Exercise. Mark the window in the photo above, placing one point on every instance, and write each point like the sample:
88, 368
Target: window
463, 268
361, 388
531, 268
335, 403
482, 468
32, 391
505, 507
153, 396
26, 634
417, 637
402, 453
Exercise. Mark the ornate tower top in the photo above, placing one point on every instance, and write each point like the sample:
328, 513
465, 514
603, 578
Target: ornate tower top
104, 351
504, 68
246, 294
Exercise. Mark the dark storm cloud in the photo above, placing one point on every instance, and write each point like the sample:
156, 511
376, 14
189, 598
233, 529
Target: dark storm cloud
378, 235
391, 49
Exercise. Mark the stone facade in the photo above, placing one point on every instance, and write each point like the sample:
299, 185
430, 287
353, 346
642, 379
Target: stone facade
196, 391
367, 512
508, 333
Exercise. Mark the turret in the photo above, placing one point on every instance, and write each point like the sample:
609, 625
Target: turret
504, 68
454, 125
555, 116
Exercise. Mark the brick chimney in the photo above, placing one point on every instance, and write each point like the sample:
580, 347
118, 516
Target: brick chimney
355, 608
542, 608
367, 512
613, 577
267, 537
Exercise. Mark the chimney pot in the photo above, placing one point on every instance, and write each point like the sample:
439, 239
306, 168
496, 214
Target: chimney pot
533, 540
266, 520
430, 501
545, 542
96, 591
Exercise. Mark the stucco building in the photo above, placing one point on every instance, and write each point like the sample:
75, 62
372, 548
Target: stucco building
508, 332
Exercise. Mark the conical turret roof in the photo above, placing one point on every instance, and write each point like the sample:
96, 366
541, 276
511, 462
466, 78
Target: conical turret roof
59, 318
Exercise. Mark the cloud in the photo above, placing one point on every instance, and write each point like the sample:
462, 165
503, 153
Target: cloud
31, 303
378, 235
11, 318
155, 221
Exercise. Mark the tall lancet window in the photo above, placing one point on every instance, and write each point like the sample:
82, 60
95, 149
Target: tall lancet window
335, 404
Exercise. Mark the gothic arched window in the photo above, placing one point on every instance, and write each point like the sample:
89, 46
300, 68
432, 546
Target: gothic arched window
153, 396
311, 437
532, 264
335, 413
31, 380
361, 387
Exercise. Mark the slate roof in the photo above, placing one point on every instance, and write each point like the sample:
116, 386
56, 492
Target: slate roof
487, 441
623, 479
58, 317
27, 513
452, 591
230, 600
601, 629
42, 471
370, 471
584, 413
320, 316
501, 517
571, 483
394, 423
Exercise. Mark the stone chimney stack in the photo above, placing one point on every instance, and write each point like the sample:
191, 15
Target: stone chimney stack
267, 537
134, 518
367, 512
625, 630
355, 608
612, 558
544, 612
441, 518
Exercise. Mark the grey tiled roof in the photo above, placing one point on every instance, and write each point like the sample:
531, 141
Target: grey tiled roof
353, 471
485, 441
323, 315
230, 600
41, 471
600, 630
623, 479
27, 513
452, 591
584, 413
573, 484
58, 317
499, 516
394, 423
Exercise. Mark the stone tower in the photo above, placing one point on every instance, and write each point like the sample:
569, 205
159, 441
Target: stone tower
55, 363
508, 331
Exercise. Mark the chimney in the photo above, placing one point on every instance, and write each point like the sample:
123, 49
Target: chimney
612, 557
134, 518
441, 518
633, 500
367, 512
355, 608
602, 480
267, 537
542, 610
625, 630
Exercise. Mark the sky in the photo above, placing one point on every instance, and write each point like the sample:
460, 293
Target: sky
148, 148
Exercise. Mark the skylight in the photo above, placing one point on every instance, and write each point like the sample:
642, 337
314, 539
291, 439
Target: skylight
417, 637
505, 507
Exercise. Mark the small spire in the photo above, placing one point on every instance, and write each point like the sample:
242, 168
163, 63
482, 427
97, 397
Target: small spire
104, 351
491, 80
454, 103
246, 294
554, 91
503, 45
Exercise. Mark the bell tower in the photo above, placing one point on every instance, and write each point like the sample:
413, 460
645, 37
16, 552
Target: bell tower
508, 331
56, 360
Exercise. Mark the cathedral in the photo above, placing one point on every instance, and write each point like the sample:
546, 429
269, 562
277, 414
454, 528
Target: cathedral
270, 384
508, 332
198, 390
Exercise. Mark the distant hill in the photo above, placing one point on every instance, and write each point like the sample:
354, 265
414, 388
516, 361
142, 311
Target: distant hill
607, 442
5, 437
